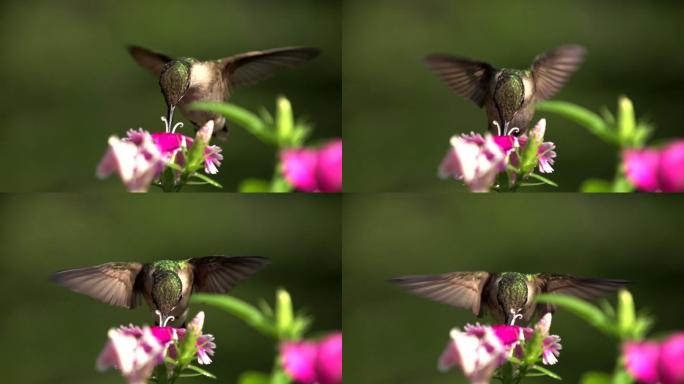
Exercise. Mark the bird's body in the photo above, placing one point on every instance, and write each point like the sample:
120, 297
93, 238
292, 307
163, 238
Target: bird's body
508, 95
165, 285
505, 297
186, 80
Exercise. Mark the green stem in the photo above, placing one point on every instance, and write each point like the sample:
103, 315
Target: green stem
521, 374
161, 374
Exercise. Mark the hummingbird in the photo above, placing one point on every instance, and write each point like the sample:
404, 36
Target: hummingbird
166, 285
185, 80
508, 296
508, 95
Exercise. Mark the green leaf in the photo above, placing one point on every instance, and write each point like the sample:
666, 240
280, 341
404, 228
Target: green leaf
583, 310
626, 121
254, 186
582, 116
543, 179
280, 185
238, 308
546, 372
195, 159
254, 378
200, 371
596, 378
280, 377
596, 186
622, 185
207, 179
284, 314
244, 118
284, 121
300, 326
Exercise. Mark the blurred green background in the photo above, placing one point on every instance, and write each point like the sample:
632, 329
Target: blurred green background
68, 82
398, 116
52, 335
392, 336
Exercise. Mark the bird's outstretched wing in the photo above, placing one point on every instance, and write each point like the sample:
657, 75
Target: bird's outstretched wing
111, 283
585, 288
551, 70
460, 289
467, 78
148, 59
251, 67
219, 274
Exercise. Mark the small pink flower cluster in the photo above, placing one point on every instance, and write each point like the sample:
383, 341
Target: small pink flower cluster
136, 351
479, 350
656, 169
314, 362
140, 157
477, 160
651, 362
314, 169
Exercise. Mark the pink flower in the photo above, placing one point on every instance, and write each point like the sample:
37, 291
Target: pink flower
651, 362
311, 362
137, 160
474, 159
479, 350
477, 160
314, 170
135, 351
140, 157
656, 170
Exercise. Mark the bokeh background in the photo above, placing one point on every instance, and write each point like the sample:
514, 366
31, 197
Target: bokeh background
52, 335
398, 116
392, 336
68, 82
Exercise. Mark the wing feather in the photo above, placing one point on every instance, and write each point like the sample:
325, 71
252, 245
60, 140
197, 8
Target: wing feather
251, 67
467, 78
219, 274
459, 289
110, 283
552, 69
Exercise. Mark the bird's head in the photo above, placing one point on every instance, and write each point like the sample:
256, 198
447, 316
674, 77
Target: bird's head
512, 295
174, 82
166, 293
509, 96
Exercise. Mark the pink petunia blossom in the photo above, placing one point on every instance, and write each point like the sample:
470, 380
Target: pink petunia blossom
136, 351
656, 169
314, 169
477, 159
136, 159
479, 350
140, 157
652, 362
314, 362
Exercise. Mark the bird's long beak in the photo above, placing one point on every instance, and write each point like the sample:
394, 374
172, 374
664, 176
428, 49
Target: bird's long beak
169, 118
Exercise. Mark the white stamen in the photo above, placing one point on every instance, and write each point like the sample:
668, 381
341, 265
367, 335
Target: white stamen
506, 131
516, 315
166, 124
163, 321
498, 127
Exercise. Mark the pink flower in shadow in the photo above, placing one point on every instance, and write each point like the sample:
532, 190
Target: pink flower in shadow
656, 169
652, 362
314, 362
314, 169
